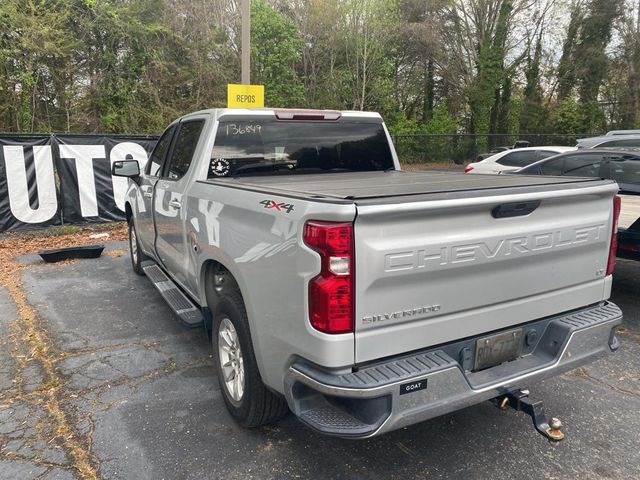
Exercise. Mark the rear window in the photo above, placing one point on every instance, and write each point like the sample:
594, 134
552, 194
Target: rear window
274, 147
542, 154
625, 169
518, 159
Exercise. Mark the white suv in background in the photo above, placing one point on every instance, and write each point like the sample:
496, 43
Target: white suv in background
514, 159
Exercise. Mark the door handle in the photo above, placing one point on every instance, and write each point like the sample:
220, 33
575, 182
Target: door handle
175, 204
147, 194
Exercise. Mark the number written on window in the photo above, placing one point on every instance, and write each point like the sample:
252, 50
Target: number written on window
243, 128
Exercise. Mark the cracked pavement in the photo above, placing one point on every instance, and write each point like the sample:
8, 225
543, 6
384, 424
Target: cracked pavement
105, 374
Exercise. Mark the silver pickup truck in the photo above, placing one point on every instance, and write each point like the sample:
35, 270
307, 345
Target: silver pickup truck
359, 296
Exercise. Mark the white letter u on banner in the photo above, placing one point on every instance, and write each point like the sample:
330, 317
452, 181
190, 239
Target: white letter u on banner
19, 190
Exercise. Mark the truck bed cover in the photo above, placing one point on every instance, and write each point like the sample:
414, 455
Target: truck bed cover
361, 187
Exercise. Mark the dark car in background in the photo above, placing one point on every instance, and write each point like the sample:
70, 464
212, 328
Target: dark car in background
629, 242
621, 166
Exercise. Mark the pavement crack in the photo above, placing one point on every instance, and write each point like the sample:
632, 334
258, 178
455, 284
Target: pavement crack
120, 346
583, 373
31, 335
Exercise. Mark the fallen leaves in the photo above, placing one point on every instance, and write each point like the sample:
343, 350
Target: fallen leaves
33, 336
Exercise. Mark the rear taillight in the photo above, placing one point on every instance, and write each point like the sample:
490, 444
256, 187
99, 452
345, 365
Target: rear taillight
331, 291
468, 169
614, 236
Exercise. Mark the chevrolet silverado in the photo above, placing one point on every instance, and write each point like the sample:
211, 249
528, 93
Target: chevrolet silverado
359, 296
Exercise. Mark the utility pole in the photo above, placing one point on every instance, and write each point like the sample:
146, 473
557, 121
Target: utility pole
245, 54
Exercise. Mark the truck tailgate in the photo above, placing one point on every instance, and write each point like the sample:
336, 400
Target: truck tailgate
433, 271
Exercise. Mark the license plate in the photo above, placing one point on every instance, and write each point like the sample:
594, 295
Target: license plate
497, 349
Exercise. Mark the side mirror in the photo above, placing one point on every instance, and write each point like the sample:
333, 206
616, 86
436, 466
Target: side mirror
126, 168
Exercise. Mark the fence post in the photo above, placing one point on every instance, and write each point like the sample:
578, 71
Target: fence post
474, 148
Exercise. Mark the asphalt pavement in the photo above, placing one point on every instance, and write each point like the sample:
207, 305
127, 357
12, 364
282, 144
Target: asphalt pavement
116, 387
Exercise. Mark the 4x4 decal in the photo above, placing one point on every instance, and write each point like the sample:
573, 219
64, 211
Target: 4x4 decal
288, 207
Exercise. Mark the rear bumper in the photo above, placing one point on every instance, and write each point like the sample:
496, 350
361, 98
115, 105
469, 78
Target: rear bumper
407, 390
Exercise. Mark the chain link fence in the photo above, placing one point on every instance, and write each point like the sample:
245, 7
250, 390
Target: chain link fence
422, 150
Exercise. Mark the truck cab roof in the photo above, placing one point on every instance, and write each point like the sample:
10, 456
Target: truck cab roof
218, 113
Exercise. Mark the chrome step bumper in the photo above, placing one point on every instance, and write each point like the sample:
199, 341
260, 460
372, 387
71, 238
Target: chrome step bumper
407, 390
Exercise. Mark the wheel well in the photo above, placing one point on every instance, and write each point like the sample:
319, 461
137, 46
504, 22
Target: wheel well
128, 211
218, 282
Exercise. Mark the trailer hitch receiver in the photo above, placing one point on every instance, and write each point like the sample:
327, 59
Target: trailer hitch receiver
519, 400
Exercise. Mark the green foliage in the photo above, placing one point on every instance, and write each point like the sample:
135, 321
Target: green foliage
275, 49
399, 123
490, 75
593, 120
567, 117
35, 52
590, 56
441, 122
584, 63
435, 67
533, 116
567, 67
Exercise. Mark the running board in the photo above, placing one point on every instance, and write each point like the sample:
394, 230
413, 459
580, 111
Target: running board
181, 305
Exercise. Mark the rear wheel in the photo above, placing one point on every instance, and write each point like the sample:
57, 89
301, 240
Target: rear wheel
137, 257
248, 400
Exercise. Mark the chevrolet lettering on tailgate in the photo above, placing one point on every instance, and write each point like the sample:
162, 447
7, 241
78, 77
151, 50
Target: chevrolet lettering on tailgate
479, 251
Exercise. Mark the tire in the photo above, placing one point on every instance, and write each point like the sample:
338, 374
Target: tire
136, 255
248, 400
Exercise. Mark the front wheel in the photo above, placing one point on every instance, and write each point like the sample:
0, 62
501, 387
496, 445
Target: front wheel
137, 257
248, 400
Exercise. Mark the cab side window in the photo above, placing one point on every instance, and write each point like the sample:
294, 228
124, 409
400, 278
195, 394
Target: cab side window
183, 149
159, 152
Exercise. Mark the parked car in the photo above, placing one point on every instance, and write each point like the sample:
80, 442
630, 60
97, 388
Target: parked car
629, 242
623, 132
613, 140
494, 150
329, 281
511, 160
623, 167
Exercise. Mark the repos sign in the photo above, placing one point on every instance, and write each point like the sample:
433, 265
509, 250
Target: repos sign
245, 96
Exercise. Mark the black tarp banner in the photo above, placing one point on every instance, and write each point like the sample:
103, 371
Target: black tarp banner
89, 193
49, 180
28, 193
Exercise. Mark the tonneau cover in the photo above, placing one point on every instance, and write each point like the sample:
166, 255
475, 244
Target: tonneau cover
369, 185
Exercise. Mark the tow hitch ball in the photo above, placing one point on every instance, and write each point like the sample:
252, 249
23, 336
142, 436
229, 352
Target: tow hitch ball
519, 400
